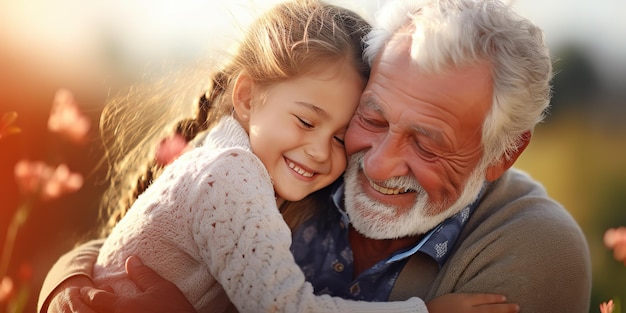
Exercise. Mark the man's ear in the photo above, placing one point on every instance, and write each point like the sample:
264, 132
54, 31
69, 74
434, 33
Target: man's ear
496, 170
242, 95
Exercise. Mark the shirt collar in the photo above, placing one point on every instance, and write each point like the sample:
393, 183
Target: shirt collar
337, 196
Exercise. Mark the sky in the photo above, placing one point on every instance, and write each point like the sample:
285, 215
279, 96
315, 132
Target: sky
67, 35
598, 26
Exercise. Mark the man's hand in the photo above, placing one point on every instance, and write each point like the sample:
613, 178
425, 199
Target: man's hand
157, 294
471, 302
67, 298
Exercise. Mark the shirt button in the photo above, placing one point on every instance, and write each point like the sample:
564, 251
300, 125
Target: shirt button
355, 289
338, 266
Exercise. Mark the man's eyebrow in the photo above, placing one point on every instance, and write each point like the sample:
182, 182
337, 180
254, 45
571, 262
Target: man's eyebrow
319, 111
370, 103
432, 134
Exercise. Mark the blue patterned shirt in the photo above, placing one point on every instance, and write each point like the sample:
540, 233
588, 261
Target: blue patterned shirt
322, 250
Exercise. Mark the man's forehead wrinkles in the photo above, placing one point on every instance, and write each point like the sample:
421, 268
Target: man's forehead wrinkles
371, 102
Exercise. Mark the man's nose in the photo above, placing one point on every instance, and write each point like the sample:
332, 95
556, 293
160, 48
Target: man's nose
386, 159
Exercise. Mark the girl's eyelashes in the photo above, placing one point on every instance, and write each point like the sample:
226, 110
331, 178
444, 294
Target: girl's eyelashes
340, 140
304, 123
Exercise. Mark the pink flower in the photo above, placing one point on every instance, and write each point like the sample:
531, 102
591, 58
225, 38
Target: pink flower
6, 127
615, 239
66, 119
606, 307
6, 289
170, 148
38, 178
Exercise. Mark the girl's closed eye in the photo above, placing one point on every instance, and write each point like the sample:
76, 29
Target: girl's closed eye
340, 140
304, 123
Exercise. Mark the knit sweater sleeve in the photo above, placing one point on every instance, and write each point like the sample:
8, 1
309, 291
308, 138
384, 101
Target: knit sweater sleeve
243, 239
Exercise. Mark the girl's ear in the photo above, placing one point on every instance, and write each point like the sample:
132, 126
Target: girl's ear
242, 95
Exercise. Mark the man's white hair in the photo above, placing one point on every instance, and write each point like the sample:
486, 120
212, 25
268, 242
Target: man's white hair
449, 34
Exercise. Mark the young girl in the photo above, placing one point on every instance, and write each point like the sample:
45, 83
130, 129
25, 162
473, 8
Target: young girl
277, 115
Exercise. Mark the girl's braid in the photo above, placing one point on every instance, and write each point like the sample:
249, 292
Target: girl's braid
187, 128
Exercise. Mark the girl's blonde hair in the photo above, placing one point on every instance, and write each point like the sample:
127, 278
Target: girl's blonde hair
287, 41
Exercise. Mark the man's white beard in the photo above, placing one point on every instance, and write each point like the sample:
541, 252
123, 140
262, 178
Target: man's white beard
378, 220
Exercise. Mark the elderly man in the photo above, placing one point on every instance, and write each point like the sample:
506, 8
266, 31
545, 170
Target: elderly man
456, 88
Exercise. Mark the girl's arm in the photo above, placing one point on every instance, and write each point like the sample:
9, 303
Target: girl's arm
160, 295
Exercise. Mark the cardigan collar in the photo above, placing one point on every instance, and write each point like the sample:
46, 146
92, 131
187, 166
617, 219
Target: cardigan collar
227, 133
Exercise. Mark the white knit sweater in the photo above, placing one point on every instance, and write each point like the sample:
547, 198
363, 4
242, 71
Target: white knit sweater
210, 225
